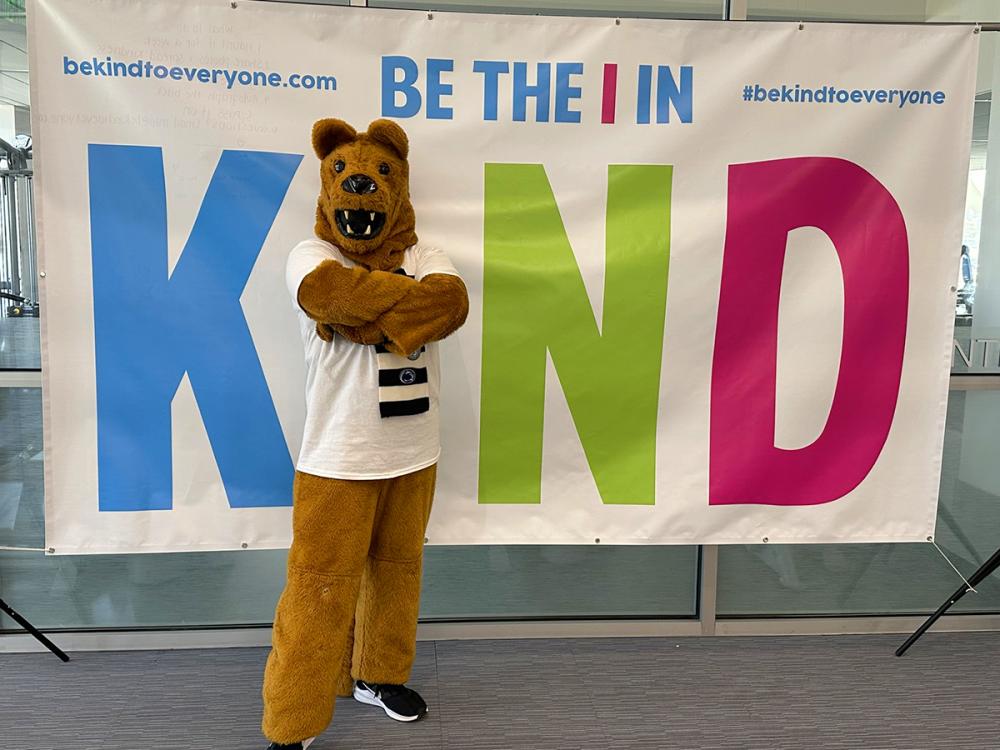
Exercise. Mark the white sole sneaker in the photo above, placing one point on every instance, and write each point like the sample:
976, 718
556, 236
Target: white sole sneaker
369, 698
306, 743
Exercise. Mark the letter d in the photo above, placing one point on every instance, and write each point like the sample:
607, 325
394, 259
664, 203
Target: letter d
767, 200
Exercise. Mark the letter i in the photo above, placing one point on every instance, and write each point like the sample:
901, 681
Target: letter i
644, 94
609, 95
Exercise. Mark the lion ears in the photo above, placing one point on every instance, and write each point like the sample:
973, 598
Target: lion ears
329, 133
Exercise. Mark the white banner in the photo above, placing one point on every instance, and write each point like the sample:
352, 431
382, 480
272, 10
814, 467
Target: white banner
711, 267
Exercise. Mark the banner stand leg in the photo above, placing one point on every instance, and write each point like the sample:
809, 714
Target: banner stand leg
38, 635
985, 570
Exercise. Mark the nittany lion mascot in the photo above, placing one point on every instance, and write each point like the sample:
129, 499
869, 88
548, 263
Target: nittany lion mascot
371, 301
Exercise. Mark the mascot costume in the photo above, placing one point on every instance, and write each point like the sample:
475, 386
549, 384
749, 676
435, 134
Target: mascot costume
371, 303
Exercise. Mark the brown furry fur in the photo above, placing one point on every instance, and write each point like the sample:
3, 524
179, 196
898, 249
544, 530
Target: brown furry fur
375, 307
384, 143
428, 310
336, 295
432, 309
353, 575
354, 566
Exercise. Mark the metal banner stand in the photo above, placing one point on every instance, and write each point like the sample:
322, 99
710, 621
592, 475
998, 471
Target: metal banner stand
39, 636
975, 579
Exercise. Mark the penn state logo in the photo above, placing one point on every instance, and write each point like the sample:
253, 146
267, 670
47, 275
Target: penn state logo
403, 389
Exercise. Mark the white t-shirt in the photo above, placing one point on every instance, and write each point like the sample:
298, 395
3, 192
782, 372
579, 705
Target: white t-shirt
355, 427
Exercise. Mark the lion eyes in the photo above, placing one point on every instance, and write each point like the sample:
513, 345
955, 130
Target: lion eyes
339, 166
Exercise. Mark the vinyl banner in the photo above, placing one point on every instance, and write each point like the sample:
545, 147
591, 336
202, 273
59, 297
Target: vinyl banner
710, 266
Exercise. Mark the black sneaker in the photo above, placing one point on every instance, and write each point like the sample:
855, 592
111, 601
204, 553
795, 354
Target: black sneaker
295, 746
398, 701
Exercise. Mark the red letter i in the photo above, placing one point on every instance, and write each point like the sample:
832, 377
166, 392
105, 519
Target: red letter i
610, 91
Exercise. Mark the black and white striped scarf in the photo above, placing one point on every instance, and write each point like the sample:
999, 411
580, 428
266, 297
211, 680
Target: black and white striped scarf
402, 381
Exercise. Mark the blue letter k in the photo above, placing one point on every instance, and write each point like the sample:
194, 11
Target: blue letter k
151, 327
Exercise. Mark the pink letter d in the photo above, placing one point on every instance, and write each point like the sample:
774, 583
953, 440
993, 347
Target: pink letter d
766, 201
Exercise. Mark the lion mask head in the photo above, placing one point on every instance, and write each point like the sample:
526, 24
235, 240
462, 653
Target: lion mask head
364, 202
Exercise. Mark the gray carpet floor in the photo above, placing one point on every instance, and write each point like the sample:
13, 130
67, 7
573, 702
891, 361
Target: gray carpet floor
815, 692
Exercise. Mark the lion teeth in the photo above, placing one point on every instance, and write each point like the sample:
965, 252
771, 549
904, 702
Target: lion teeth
368, 231
345, 215
372, 215
349, 230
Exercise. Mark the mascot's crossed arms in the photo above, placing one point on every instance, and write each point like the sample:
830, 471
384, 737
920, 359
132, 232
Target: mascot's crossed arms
372, 303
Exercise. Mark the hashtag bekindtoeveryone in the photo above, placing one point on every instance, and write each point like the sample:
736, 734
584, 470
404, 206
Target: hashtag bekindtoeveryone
798, 94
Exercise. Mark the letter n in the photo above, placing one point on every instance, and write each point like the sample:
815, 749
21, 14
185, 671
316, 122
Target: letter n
535, 302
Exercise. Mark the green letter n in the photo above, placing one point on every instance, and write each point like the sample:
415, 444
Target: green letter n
534, 300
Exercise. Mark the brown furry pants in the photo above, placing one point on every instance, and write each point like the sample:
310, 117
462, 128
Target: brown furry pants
353, 575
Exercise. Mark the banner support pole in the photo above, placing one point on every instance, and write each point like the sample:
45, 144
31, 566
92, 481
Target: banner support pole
985, 570
35, 632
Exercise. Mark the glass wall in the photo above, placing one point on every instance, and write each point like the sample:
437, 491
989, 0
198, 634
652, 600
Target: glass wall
887, 11
976, 325
765, 581
540, 582
895, 11
19, 330
241, 588
879, 579
636, 8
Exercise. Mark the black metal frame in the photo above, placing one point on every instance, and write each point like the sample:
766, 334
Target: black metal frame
984, 572
35, 632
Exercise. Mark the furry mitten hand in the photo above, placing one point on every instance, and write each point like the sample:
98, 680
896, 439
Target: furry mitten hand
337, 295
432, 309
366, 333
